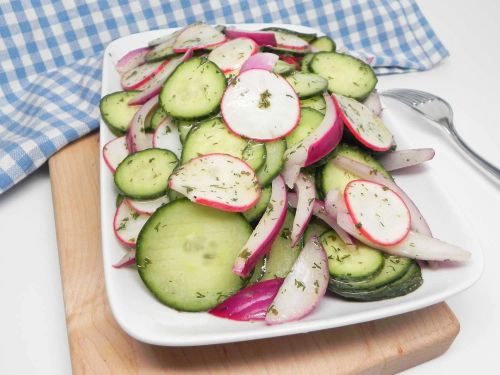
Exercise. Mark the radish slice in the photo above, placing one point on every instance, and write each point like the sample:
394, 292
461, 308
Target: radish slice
378, 212
317, 145
231, 55
169, 38
217, 180
320, 212
260, 105
127, 260
127, 224
263, 38
373, 103
261, 60
250, 303
266, 230
137, 77
406, 158
306, 194
198, 36
115, 151
290, 41
131, 60
418, 223
304, 287
415, 245
149, 206
167, 136
364, 125
137, 138
155, 84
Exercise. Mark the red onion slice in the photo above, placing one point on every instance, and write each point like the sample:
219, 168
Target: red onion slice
263, 38
137, 138
406, 158
261, 60
373, 103
306, 196
250, 303
131, 60
304, 287
266, 230
127, 260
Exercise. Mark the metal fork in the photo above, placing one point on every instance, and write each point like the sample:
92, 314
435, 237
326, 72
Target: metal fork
439, 111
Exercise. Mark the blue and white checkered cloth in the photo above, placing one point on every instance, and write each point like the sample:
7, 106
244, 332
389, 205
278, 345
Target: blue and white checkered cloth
51, 51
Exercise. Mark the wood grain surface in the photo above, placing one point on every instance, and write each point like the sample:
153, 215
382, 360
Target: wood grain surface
98, 346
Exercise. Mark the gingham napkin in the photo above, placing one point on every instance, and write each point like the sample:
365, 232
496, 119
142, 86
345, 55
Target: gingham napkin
50, 55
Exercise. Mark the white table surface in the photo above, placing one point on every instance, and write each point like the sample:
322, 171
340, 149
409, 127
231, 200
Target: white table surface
33, 336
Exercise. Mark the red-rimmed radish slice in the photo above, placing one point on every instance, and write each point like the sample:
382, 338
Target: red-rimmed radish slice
136, 78
198, 36
418, 222
261, 60
266, 230
127, 224
415, 245
306, 196
249, 304
147, 206
260, 105
363, 124
373, 103
153, 87
304, 286
137, 138
232, 54
290, 41
217, 180
320, 212
131, 60
127, 260
378, 212
263, 38
406, 158
317, 145
167, 136
115, 151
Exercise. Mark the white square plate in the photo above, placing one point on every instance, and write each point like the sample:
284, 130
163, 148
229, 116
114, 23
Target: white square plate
147, 320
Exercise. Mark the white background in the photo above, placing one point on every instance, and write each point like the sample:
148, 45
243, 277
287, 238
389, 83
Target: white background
32, 324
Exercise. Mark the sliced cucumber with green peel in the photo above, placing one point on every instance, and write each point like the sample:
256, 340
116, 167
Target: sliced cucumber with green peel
156, 118
316, 102
194, 90
324, 44
275, 152
284, 51
310, 119
316, 227
308, 37
345, 263
161, 52
406, 284
144, 174
258, 271
304, 64
256, 212
185, 127
346, 75
307, 85
333, 177
255, 154
185, 254
116, 112
283, 68
174, 195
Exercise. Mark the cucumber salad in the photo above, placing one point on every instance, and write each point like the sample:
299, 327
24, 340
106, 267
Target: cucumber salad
253, 176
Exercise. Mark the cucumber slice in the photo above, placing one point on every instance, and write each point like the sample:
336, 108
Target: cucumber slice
116, 112
275, 152
282, 255
333, 177
307, 84
185, 254
316, 102
408, 283
174, 195
161, 51
184, 129
144, 174
304, 65
310, 119
258, 271
193, 90
308, 37
256, 212
324, 44
283, 68
156, 118
213, 136
346, 74
316, 228
394, 268
347, 264
285, 51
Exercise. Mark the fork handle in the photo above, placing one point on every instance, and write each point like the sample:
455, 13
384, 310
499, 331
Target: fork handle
465, 147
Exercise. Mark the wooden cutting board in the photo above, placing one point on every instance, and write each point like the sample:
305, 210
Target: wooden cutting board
98, 346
